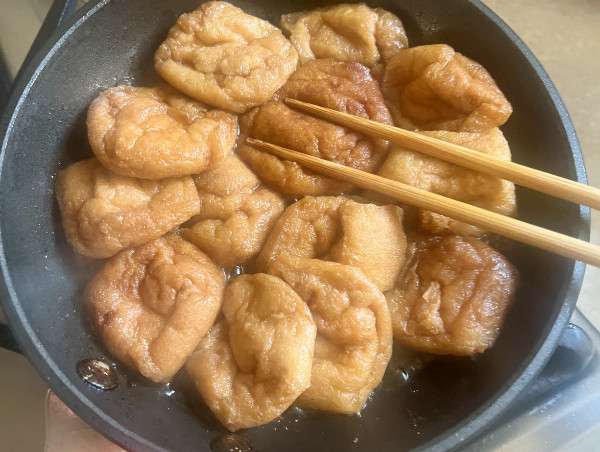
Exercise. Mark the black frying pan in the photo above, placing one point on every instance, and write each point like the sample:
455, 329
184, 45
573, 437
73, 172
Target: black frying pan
112, 42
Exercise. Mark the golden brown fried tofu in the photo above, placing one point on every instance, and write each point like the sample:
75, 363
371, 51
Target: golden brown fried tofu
338, 229
236, 213
346, 87
433, 87
354, 333
346, 32
436, 223
290, 178
453, 296
453, 181
226, 58
153, 133
103, 213
151, 305
257, 360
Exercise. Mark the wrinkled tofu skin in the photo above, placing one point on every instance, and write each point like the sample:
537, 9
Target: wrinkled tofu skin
151, 305
345, 32
236, 213
354, 334
289, 177
226, 58
390, 35
103, 213
257, 360
435, 88
453, 181
153, 133
338, 229
436, 223
453, 297
346, 87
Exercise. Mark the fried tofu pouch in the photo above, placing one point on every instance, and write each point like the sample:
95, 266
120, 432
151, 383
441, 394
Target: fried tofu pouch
154, 133
346, 87
257, 360
437, 176
152, 305
433, 87
354, 334
224, 57
104, 213
236, 213
346, 32
339, 229
453, 296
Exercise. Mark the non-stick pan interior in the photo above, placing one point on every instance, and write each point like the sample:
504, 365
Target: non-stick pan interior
115, 45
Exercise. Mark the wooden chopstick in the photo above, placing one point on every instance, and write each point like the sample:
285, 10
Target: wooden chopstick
462, 156
490, 221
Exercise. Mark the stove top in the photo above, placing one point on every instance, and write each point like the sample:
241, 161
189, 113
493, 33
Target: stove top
561, 409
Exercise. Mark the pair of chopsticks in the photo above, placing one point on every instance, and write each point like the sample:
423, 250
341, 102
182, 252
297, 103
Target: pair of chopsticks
490, 221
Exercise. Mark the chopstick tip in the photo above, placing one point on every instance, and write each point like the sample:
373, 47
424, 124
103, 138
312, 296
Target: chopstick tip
291, 101
254, 141
267, 147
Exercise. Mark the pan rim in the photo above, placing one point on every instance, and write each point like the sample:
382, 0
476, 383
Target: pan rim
112, 428
26, 337
481, 418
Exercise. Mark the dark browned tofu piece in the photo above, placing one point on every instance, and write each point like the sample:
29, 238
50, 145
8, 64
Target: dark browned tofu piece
453, 296
435, 88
